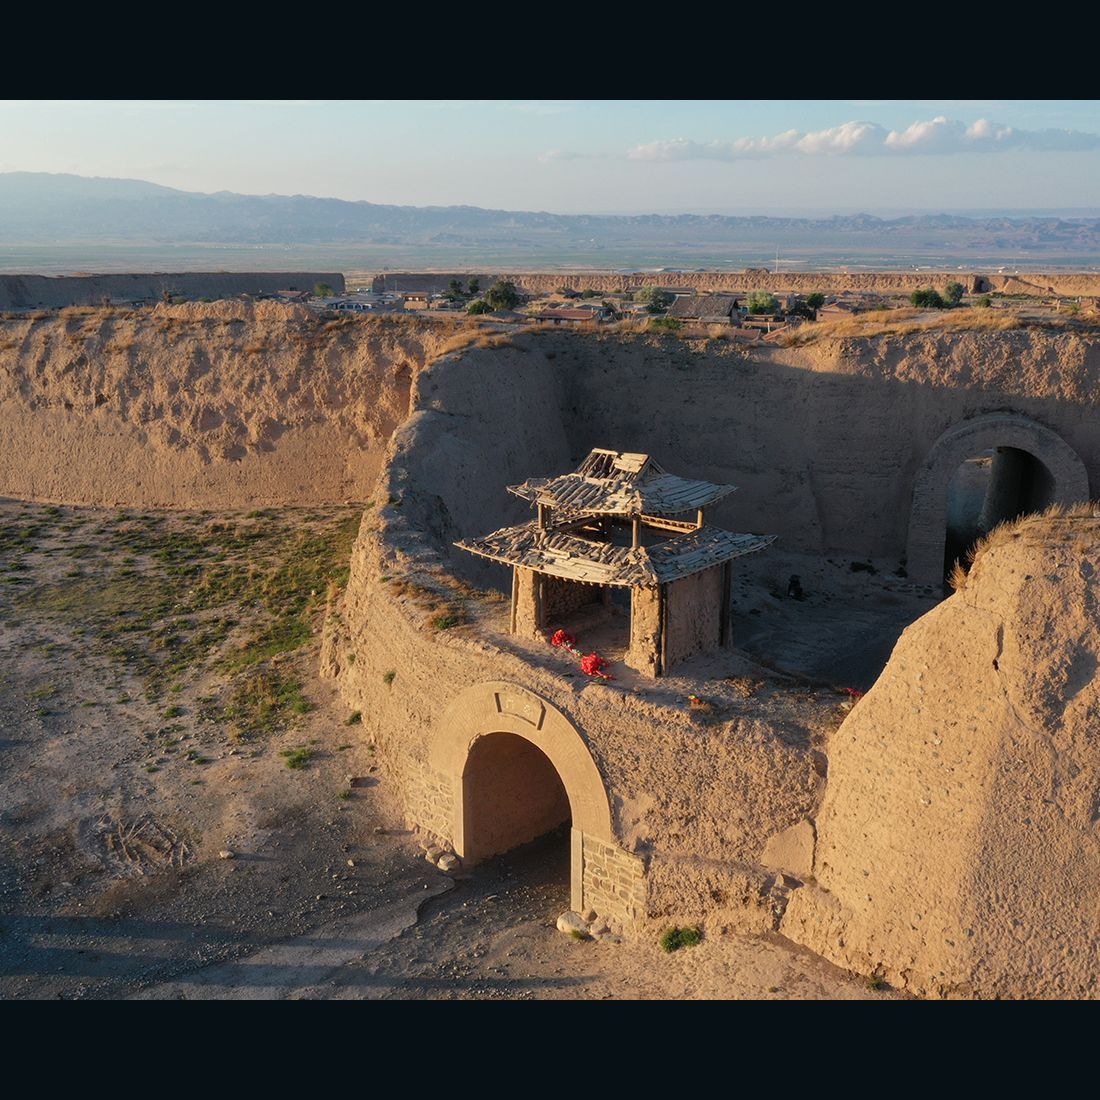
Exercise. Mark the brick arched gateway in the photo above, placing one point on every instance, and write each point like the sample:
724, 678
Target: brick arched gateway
603, 876
1069, 481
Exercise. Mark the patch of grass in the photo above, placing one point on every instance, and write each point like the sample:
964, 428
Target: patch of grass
445, 622
263, 701
354, 719
297, 758
577, 934
173, 711
877, 983
388, 677
672, 939
344, 795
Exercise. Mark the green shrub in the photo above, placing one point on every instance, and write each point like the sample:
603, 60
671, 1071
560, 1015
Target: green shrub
297, 758
388, 677
674, 938
666, 324
927, 299
354, 719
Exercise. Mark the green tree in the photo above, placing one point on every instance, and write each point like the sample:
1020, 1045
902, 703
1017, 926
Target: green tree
984, 302
815, 300
454, 289
475, 286
322, 290
760, 301
953, 293
588, 292
480, 306
502, 295
654, 299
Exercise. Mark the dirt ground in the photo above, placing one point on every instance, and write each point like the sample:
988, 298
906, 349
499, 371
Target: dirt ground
186, 810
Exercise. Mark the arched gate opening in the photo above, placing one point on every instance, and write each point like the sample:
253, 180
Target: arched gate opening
1012, 463
516, 769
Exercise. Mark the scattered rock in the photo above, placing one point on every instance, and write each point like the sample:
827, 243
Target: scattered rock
448, 862
433, 853
572, 922
225, 853
351, 862
588, 916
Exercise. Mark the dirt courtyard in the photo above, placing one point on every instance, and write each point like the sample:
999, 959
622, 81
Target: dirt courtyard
187, 810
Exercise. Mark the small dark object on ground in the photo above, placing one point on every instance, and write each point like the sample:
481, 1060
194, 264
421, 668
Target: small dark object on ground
794, 588
863, 567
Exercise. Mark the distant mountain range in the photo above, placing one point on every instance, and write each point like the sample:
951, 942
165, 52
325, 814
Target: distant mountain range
41, 209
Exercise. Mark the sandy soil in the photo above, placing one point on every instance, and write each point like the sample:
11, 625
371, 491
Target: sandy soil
151, 687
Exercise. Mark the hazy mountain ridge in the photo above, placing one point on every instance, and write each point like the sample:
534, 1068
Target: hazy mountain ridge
44, 206
65, 222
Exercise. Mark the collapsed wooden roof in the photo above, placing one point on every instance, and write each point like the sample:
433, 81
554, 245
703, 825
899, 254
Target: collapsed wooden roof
689, 306
560, 553
622, 484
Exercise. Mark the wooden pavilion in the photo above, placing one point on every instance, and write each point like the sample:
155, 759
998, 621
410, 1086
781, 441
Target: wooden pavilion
611, 523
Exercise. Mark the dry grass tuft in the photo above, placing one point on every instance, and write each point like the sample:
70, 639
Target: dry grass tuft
1014, 529
903, 322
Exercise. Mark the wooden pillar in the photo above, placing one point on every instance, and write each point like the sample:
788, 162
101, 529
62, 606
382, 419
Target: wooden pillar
644, 654
515, 600
700, 517
543, 514
637, 532
727, 592
527, 603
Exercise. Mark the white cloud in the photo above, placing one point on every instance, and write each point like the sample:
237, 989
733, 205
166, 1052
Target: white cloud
940, 135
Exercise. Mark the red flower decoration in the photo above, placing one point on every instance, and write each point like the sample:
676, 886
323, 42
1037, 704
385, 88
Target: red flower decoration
855, 693
592, 664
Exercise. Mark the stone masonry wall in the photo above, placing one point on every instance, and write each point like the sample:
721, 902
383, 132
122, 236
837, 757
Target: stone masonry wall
614, 882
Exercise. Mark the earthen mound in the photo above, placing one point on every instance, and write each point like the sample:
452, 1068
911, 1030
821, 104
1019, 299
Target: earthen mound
958, 846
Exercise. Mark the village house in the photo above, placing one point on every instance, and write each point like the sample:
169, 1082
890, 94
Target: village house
713, 309
574, 314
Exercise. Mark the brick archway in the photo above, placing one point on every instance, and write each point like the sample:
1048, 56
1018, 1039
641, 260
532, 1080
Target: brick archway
603, 876
928, 517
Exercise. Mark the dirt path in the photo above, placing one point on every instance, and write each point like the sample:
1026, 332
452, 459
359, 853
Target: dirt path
491, 936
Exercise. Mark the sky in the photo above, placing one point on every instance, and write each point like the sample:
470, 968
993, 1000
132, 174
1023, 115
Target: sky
586, 156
